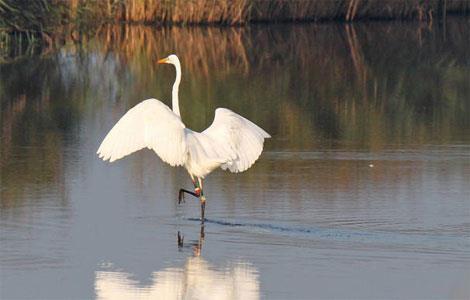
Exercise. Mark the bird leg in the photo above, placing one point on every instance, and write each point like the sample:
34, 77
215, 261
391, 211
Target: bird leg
196, 193
181, 195
202, 199
203, 208
197, 188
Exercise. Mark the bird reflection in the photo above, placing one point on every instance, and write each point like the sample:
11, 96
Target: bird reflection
197, 279
196, 246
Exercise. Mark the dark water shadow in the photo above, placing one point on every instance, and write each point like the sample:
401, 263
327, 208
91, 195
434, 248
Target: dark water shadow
408, 241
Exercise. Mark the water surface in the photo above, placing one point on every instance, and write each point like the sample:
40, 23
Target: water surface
362, 191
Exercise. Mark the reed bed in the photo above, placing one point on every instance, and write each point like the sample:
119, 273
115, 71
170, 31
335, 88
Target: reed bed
238, 12
44, 15
42, 21
350, 10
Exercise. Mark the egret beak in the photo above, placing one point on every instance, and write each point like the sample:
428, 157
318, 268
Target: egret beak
163, 60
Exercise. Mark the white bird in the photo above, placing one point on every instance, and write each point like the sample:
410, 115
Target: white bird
231, 142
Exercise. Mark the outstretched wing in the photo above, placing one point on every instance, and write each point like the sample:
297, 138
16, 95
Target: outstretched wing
149, 124
240, 138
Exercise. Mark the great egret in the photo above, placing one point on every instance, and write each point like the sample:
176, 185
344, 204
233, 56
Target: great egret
231, 142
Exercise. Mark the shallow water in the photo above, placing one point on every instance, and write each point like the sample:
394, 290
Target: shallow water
363, 191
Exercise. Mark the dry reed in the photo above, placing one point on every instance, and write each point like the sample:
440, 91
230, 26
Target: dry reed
238, 12
41, 21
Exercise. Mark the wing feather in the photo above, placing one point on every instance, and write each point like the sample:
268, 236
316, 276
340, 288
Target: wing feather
240, 139
149, 124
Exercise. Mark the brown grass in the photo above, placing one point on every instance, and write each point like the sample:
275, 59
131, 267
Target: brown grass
41, 21
237, 12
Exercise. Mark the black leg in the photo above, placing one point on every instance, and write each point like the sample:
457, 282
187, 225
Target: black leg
181, 195
198, 193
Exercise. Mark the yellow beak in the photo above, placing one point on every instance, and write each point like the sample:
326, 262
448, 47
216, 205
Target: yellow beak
163, 60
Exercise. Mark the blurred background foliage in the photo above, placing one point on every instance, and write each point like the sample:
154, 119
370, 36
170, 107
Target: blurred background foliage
369, 85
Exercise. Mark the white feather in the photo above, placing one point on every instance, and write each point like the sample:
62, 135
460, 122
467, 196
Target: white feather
238, 138
149, 124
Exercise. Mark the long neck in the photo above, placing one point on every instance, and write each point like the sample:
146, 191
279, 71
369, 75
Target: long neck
174, 93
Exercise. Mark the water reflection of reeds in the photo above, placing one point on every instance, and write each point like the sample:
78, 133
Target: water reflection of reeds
201, 49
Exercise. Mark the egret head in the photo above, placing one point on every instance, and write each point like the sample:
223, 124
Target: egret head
171, 59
